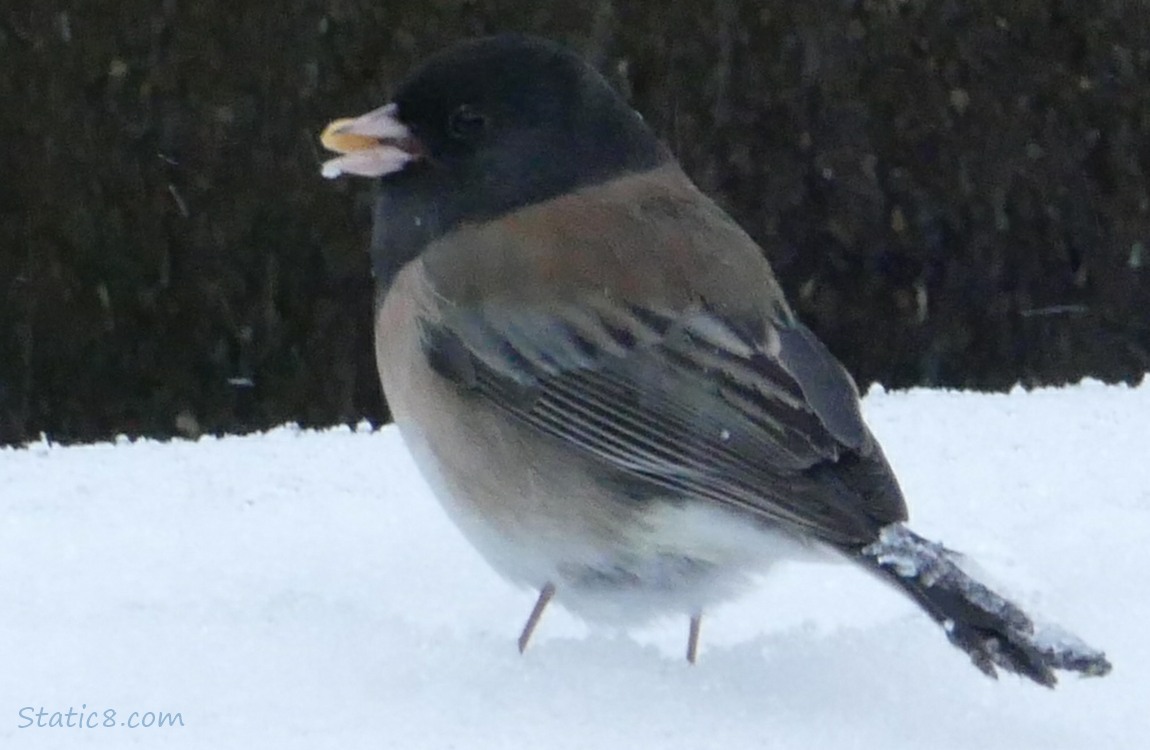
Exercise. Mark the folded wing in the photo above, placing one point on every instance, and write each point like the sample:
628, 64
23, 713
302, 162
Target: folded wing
759, 418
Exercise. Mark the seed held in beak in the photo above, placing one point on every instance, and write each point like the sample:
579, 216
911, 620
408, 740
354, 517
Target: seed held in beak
335, 137
372, 145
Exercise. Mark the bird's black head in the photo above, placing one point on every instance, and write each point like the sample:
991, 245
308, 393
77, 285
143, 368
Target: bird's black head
511, 120
483, 128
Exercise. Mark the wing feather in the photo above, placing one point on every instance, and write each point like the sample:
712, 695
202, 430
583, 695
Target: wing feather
689, 404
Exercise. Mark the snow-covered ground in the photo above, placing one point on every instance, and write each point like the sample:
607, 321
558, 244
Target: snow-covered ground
303, 590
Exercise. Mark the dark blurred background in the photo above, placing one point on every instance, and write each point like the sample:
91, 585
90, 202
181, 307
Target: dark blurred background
953, 193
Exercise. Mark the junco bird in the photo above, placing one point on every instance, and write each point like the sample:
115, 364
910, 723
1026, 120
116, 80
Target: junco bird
599, 375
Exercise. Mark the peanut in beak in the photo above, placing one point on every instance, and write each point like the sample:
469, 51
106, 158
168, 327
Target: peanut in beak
344, 143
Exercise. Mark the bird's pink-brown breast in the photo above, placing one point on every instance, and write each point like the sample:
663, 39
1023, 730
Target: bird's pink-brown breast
495, 478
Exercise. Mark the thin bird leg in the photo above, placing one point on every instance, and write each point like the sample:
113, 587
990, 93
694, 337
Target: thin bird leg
693, 637
545, 595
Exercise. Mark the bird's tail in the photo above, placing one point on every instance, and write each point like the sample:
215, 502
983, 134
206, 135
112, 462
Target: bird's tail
992, 630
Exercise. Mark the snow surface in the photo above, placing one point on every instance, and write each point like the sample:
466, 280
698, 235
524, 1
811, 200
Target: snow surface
303, 590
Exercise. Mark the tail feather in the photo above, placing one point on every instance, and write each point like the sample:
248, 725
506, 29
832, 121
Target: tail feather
992, 630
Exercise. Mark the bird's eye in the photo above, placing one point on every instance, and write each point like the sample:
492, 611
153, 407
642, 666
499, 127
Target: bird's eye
467, 123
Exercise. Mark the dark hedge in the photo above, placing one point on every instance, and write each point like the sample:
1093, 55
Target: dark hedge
953, 193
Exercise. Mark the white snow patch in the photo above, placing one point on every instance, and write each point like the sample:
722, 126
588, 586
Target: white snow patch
302, 589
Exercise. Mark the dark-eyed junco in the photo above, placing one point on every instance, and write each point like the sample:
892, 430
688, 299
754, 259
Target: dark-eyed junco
599, 375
